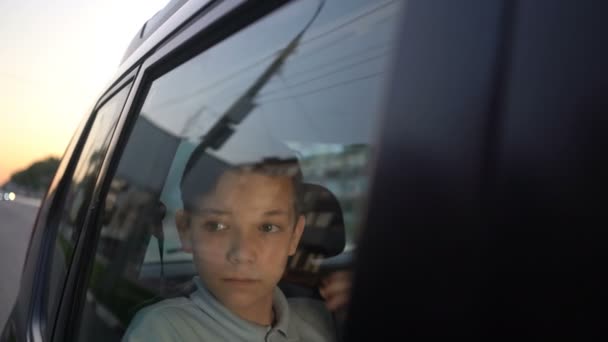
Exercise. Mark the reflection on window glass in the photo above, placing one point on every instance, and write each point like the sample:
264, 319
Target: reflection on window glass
320, 104
293, 97
80, 190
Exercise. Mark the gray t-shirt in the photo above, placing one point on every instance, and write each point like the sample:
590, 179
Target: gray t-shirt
200, 317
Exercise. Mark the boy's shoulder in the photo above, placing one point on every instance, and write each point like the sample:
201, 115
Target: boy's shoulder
160, 319
307, 313
166, 305
176, 300
171, 319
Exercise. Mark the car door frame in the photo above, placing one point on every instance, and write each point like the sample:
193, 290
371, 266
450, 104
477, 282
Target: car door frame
208, 26
29, 316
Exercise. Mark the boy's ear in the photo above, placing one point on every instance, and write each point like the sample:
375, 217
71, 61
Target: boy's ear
182, 222
297, 234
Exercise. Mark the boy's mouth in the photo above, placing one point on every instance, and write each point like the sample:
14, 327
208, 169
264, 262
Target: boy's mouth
238, 280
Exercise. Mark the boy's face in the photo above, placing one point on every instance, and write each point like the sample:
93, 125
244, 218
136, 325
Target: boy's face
241, 236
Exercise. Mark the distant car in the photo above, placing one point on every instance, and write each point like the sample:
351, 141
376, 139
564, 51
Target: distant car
459, 148
7, 196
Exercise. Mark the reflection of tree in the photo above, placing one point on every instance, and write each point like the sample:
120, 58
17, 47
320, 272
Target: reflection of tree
96, 158
84, 188
133, 216
85, 177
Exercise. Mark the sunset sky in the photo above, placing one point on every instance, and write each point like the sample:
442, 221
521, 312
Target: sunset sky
55, 58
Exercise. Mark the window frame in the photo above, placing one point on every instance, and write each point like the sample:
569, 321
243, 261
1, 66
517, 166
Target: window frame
40, 324
212, 25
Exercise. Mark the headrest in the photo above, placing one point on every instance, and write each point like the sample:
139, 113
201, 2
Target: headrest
324, 232
324, 236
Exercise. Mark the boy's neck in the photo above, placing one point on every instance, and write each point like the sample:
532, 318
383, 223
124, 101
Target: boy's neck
260, 313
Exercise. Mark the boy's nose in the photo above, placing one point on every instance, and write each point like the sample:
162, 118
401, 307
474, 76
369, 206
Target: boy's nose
242, 249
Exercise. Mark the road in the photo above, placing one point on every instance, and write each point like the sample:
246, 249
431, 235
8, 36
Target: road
16, 221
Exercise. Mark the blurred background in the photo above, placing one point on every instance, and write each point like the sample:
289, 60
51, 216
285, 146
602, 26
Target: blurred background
55, 59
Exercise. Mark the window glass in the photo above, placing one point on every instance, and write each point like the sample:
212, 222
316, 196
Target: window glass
79, 192
296, 93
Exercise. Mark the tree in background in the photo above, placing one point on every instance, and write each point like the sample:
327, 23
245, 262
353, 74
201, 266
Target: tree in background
36, 177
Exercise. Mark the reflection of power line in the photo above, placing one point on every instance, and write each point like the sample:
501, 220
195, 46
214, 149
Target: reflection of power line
271, 55
202, 89
266, 126
348, 22
339, 59
321, 48
191, 120
353, 80
326, 74
194, 122
179, 99
298, 60
239, 109
300, 106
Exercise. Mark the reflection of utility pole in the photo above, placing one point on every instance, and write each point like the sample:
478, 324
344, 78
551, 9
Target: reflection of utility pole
194, 122
191, 120
224, 127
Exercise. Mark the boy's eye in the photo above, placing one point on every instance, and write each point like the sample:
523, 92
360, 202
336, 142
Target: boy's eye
213, 226
269, 228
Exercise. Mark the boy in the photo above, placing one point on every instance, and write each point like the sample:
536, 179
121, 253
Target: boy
241, 224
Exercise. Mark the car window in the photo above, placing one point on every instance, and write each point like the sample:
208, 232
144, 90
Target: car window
302, 86
79, 192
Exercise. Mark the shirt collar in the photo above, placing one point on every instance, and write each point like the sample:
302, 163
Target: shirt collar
281, 311
207, 302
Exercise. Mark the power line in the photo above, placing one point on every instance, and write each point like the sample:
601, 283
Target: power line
331, 43
300, 106
263, 59
335, 60
337, 27
349, 66
324, 88
340, 59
